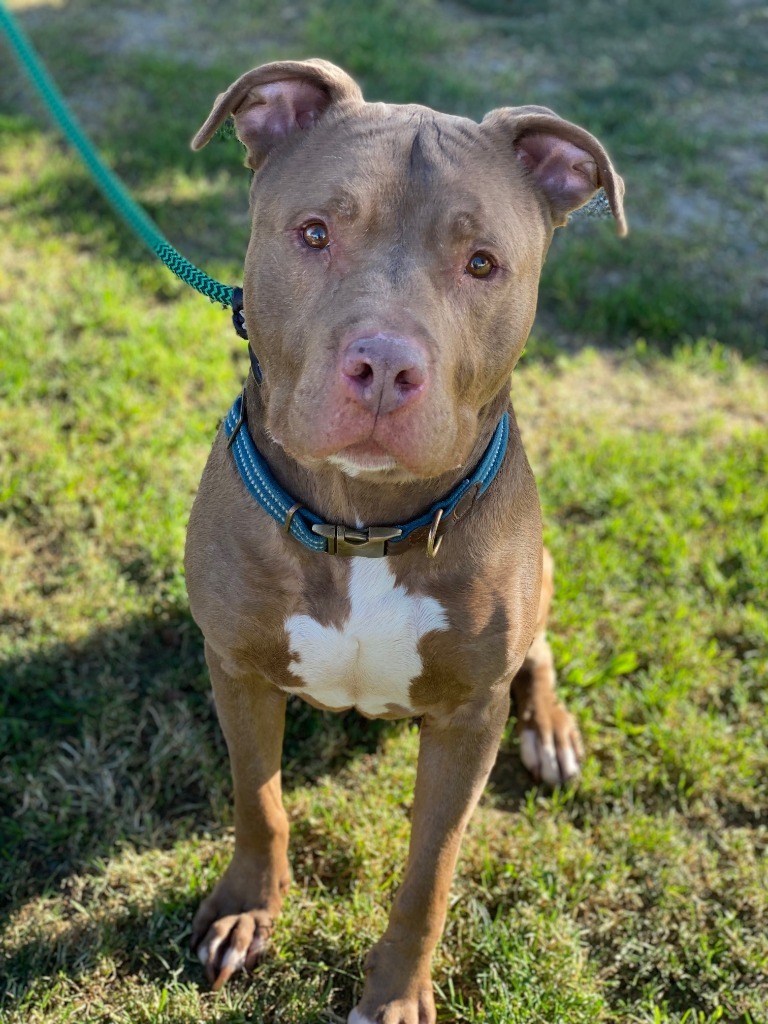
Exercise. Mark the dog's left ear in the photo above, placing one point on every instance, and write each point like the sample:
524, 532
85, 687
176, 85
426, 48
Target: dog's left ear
566, 163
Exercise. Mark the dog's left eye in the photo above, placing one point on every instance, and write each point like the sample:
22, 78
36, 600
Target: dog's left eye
316, 234
480, 265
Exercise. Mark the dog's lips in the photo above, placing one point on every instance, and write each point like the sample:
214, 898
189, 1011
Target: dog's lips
364, 457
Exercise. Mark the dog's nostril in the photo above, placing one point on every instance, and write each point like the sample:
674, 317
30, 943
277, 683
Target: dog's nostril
362, 372
408, 379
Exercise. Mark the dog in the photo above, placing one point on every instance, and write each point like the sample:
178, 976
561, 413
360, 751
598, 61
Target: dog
367, 531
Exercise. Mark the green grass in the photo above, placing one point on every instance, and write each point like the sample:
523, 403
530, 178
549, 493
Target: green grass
638, 898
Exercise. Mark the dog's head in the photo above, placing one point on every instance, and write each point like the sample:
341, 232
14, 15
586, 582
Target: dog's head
393, 267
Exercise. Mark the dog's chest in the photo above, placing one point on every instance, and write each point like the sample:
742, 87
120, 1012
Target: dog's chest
372, 658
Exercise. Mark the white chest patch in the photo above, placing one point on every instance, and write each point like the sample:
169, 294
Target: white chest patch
372, 660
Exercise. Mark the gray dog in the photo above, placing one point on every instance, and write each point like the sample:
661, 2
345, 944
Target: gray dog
390, 285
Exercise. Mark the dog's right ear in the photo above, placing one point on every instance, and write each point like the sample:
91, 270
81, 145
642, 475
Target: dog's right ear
274, 101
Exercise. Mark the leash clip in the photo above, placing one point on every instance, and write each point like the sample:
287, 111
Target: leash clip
238, 320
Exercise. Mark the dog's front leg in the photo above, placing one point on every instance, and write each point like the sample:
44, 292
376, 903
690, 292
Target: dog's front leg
233, 925
456, 755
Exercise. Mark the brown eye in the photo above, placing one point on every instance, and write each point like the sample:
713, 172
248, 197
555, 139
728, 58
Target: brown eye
316, 234
480, 265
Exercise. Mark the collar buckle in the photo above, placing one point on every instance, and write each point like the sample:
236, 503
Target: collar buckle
370, 542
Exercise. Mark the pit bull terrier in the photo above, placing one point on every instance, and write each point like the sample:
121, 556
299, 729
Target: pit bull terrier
367, 531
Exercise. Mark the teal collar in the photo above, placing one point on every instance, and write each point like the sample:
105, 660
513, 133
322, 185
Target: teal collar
316, 535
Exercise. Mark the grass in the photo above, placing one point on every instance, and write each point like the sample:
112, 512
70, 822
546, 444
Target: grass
640, 897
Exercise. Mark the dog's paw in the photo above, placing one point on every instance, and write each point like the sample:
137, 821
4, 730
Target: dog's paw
231, 943
399, 1011
551, 747
396, 990
233, 925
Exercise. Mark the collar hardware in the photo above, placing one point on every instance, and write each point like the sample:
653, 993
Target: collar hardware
238, 424
433, 541
290, 514
370, 543
238, 319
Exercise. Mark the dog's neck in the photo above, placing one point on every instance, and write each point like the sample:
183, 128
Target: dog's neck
365, 501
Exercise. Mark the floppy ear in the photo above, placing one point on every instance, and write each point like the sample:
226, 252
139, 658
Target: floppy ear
276, 100
565, 162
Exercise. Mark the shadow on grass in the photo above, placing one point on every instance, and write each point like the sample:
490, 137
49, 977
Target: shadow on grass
510, 783
112, 742
115, 740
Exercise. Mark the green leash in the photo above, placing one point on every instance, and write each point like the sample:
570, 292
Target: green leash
110, 185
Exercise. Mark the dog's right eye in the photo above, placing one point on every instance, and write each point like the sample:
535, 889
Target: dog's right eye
316, 234
480, 265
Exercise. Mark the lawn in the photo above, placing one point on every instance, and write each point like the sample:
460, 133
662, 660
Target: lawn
642, 895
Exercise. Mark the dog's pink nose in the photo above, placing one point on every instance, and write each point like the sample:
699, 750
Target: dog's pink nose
383, 373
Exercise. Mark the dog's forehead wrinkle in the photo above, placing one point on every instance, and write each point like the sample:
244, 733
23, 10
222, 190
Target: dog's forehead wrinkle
344, 202
418, 163
467, 224
338, 198
439, 143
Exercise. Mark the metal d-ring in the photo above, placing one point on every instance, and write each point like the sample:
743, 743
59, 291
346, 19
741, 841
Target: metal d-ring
241, 420
289, 516
434, 546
